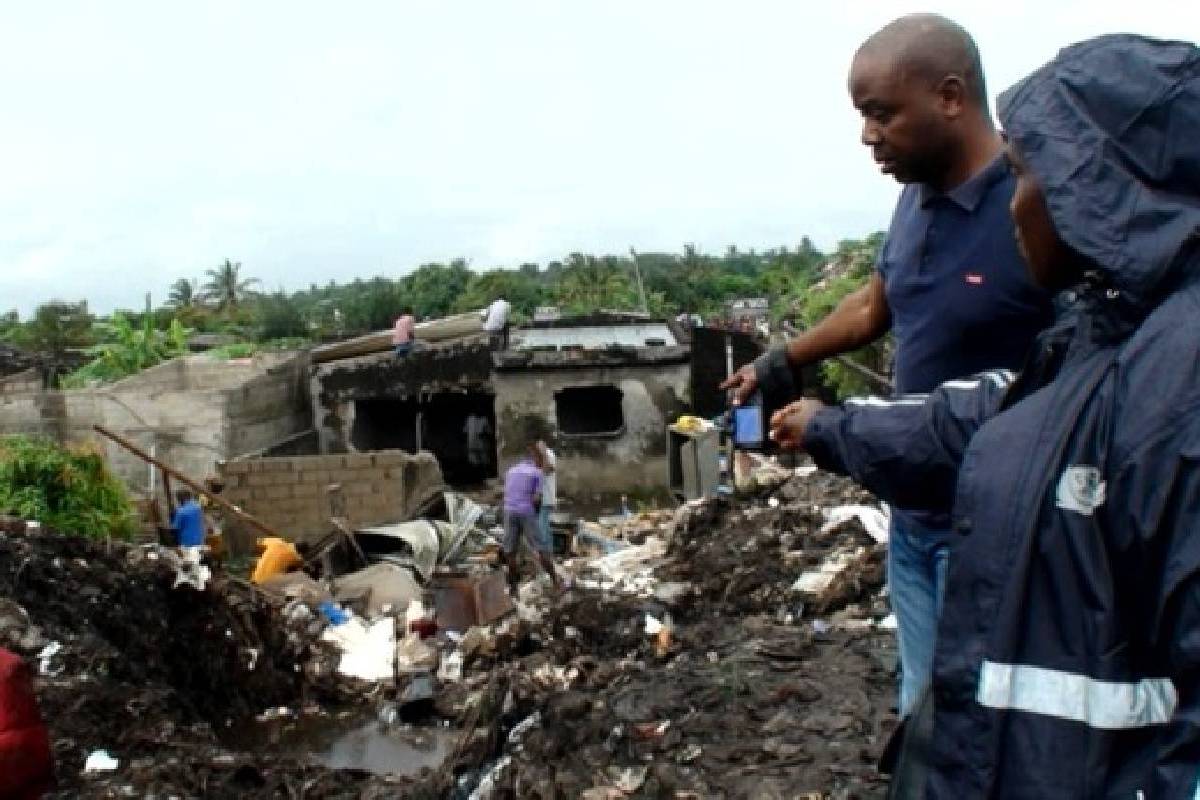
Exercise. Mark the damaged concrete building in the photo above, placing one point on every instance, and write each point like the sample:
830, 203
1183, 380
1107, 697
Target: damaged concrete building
601, 389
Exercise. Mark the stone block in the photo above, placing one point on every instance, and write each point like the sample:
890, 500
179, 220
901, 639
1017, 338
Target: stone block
359, 461
279, 492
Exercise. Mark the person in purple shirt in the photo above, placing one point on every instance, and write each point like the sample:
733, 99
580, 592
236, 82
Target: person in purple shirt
522, 499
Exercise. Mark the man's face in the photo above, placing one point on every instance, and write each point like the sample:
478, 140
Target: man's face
906, 122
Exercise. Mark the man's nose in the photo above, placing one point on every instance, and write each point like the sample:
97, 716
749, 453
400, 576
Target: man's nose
870, 133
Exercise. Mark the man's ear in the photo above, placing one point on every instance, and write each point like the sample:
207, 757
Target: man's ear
952, 96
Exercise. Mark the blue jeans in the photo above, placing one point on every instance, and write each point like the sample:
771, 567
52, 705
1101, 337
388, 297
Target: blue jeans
544, 526
917, 557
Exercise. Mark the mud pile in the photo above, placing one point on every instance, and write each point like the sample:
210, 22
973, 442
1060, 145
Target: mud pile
153, 673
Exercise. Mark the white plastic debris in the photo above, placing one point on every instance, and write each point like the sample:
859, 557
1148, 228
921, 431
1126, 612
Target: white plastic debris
45, 656
876, 521
653, 626
100, 761
189, 571
451, 668
523, 727
888, 623
368, 652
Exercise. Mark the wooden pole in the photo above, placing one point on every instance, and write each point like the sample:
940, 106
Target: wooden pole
188, 482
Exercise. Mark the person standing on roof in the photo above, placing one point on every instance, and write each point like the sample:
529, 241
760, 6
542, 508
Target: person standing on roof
402, 333
495, 322
949, 284
1068, 653
522, 499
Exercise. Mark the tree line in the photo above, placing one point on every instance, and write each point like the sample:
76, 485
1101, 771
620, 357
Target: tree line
801, 283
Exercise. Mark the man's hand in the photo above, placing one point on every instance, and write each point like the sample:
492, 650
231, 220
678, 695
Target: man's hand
744, 382
789, 423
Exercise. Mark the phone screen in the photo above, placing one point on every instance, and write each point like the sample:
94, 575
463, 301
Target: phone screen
748, 426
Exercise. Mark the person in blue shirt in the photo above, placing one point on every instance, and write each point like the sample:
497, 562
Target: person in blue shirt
950, 283
1068, 653
187, 520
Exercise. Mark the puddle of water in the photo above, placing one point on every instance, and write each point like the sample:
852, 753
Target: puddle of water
355, 741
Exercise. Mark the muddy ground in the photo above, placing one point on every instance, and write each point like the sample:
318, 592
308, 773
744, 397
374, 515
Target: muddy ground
759, 693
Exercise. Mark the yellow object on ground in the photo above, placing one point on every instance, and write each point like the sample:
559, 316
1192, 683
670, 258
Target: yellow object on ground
690, 424
278, 556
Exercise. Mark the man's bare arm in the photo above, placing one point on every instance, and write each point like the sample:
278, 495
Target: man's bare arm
859, 319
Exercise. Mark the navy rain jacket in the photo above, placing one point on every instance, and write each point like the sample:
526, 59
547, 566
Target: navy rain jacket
1068, 654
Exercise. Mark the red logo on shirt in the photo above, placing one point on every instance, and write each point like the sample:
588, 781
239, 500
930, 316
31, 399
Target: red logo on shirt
975, 278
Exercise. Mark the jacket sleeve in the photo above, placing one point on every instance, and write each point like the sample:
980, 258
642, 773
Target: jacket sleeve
1154, 503
907, 449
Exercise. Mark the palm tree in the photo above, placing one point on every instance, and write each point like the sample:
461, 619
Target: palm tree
224, 285
182, 294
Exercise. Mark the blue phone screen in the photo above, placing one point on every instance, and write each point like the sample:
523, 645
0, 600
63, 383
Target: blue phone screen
748, 426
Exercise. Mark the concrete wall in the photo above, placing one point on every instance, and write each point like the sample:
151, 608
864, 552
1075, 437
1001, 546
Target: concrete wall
633, 461
289, 494
185, 411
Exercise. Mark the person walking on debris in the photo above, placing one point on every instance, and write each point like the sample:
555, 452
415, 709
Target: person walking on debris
187, 520
549, 464
949, 283
495, 323
1068, 654
522, 497
402, 333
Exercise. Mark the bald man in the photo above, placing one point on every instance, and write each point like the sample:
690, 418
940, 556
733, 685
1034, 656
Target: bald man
949, 283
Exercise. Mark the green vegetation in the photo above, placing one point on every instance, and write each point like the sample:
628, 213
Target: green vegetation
801, 282
848, 269
124, 350
67, 490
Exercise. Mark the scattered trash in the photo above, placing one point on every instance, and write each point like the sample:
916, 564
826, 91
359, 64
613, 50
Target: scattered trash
333, 612
451, 668
875, 521
45, 656
100, 761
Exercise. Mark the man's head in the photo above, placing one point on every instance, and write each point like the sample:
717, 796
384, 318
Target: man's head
918, 83
183, 495
534, 452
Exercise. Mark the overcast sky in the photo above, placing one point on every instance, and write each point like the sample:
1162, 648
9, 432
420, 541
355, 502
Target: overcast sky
143, 142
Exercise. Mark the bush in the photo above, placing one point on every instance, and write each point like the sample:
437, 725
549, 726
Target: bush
68, 490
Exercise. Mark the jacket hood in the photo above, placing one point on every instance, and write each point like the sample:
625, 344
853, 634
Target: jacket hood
1111, 130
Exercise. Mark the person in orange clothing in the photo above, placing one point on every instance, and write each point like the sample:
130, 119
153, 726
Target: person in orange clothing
278, 556
26, 766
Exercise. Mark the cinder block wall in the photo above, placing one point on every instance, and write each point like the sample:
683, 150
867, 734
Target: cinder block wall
289, 494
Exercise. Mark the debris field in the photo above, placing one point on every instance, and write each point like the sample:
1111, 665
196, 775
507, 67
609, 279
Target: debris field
730, 648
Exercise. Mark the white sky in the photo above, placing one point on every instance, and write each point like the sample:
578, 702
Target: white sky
148, 141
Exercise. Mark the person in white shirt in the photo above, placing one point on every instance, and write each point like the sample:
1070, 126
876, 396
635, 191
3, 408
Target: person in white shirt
495, 322
549, 463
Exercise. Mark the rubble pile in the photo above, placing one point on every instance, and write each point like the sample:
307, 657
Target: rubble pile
709, 673
132, 661
732, 647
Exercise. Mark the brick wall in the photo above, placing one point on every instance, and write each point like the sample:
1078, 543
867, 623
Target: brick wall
289, 494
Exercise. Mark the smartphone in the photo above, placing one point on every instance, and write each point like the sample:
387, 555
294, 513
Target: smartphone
748, 427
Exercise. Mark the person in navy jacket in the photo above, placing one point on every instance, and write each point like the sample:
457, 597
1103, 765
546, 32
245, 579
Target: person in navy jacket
1068, 652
